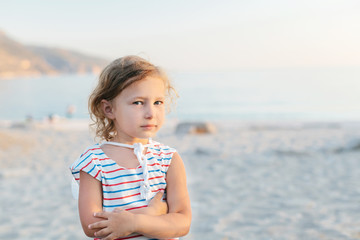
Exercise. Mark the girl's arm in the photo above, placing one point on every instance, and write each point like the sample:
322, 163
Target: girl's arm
174, 224
177, 222
90, 201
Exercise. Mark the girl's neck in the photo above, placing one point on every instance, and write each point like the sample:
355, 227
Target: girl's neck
130, 141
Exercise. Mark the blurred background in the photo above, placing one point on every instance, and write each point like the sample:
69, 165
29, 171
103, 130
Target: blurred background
267, 121
255, 60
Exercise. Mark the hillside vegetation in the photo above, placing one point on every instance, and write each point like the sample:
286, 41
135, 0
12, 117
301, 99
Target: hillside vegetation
19, 60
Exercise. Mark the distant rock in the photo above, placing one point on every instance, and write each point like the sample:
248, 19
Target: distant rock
17, 60
352, 147
195, 128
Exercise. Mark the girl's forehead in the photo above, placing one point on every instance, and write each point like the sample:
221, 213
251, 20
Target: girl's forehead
147, 86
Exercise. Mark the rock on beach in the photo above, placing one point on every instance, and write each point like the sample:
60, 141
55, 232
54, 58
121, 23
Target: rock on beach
195, 128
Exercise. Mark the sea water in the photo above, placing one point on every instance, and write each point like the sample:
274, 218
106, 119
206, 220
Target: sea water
280, 94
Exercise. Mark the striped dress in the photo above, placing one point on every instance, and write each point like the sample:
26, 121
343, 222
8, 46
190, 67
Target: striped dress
121, 186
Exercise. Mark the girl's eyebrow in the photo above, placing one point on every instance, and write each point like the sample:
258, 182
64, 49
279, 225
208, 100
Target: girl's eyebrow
137, 97
141, 97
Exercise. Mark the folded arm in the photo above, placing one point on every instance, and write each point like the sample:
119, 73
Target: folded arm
90, 204
120, 223
177, 222
90, 201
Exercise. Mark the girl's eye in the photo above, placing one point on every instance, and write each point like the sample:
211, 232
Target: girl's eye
158, 103
138, 103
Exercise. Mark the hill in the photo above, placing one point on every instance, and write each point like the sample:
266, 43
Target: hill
17, 60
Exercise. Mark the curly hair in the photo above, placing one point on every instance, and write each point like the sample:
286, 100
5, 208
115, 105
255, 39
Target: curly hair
115, 77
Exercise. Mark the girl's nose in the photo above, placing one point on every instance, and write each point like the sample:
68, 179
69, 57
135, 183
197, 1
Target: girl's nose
149, 112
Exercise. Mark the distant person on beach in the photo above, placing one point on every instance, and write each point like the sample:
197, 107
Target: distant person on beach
123, 180
70, 110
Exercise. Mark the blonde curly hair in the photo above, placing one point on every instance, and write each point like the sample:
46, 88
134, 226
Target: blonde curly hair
117, 76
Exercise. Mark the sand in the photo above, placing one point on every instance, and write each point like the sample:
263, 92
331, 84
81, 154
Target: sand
264, 180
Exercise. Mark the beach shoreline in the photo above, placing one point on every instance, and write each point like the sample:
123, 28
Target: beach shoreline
248, 180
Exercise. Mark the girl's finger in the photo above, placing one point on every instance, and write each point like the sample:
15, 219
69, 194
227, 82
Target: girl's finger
157, 197
117, 210
109, 237
101, 224
103, 233
101, 215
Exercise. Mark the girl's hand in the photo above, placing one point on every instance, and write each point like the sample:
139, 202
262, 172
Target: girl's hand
118, 223
157, 206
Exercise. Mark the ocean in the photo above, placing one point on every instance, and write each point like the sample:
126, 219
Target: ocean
246, 181
281, 94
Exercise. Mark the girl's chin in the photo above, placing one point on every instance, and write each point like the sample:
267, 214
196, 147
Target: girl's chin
145, 136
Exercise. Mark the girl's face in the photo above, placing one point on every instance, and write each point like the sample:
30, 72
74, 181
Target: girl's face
138, 111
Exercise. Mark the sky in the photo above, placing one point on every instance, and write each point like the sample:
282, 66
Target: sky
195, 34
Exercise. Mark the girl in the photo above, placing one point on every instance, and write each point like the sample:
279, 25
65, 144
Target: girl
119, 177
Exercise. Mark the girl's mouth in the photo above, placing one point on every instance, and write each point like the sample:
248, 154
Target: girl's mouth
148, 126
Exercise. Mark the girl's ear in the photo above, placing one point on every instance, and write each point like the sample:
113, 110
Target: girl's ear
107, 109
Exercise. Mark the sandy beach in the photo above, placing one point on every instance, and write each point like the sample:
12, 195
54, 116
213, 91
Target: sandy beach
264, 180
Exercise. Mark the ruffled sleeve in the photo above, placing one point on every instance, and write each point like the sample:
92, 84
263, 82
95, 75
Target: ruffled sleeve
87, 162
165, 156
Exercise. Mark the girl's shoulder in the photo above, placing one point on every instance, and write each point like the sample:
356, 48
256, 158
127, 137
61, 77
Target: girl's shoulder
88, 155
89, 162
91, 150
160, 147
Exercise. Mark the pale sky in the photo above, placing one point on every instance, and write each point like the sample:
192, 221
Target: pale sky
195, 34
